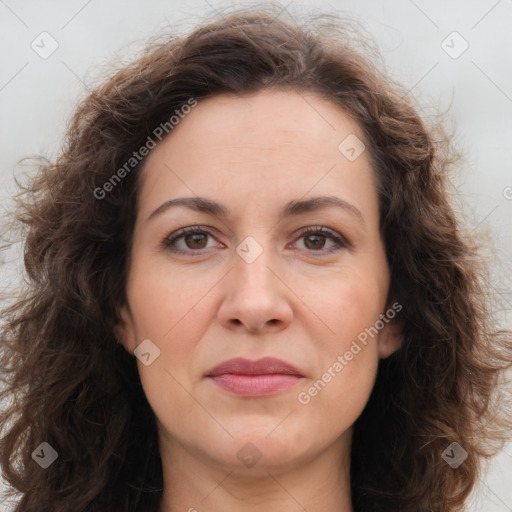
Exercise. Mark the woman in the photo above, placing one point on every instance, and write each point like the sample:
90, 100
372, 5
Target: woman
247, 290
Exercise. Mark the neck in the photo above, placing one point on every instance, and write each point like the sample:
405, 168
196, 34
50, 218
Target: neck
195, 484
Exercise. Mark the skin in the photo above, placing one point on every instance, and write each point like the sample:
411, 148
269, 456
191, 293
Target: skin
296, 301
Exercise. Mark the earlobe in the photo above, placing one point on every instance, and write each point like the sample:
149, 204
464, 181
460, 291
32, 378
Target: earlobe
390, 338
124, 329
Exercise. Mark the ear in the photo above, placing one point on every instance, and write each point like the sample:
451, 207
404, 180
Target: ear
390, 338
124, 330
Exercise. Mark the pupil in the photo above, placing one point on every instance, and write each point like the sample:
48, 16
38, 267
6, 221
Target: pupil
316, 239
196, 238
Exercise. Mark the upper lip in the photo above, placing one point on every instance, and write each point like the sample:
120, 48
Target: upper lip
264, 366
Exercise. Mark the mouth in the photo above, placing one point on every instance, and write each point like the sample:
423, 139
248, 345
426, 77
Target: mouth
263, 377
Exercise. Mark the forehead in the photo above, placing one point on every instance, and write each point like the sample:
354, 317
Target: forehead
266, 144
269, 117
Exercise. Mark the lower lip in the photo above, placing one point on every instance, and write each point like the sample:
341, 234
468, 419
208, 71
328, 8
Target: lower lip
255, 385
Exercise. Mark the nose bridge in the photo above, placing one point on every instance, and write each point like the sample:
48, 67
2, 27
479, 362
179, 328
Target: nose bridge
254, 296
253, 259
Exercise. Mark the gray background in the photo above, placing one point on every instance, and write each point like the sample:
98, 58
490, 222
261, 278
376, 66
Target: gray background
37, 97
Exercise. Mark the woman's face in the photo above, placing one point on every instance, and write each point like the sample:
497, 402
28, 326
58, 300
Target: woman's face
252, 284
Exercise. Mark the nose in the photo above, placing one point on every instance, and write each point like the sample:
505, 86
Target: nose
256, 297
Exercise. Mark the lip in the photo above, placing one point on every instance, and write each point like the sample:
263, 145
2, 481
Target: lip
266, 376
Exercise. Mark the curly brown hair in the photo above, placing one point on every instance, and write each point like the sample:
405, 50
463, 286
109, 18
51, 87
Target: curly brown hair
70, 383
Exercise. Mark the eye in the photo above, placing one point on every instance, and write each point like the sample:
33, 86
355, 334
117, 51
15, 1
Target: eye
194, 239
187, 240
314, 240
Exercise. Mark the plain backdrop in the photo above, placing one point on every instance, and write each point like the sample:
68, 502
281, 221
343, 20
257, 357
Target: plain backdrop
448, 54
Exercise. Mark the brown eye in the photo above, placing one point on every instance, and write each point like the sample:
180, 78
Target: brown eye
315, 241
195, 241
188, 240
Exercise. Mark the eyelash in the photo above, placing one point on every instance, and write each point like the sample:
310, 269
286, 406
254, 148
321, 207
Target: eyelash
340, 241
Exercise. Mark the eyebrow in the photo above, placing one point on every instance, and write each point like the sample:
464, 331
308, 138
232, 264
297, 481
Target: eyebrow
292, 208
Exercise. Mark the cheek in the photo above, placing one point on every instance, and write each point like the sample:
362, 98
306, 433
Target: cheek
350, 305
164, 298
349, 355
348, 361
170, 308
